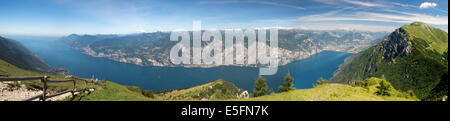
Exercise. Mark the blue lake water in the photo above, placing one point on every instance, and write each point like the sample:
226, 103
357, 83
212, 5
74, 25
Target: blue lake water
305, 72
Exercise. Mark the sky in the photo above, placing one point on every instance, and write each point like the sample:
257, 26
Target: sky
64, 17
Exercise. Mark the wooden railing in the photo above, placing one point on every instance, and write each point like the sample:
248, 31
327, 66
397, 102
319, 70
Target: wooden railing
45, 80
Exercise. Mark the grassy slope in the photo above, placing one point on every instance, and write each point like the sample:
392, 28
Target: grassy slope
329, 92
333, 92
16, 54
436, 38
218, 89
112, 92
7, 69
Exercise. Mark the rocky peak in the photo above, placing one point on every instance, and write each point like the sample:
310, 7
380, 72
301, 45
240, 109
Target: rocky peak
398, 43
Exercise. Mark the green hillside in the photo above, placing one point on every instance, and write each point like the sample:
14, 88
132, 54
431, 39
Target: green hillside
112, 92
436, 39
412, 58
215, 90
16, 54
336, 92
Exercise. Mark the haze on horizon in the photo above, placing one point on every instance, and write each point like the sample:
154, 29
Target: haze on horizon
64, 17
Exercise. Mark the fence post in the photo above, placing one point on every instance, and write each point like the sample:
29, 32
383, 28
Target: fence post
85, 85
74, 87
44, 87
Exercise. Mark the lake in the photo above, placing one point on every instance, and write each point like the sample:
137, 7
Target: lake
305, 72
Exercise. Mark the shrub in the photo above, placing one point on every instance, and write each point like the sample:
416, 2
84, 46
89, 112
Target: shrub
321, 81
148, 93
384, 89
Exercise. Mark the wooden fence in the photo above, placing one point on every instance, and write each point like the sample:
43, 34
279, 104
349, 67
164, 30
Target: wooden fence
45, 80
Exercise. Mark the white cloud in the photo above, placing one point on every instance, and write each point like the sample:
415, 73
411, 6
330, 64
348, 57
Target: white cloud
426, 5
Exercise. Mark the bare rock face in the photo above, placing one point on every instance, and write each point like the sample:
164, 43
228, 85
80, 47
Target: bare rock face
397, 44
243, 95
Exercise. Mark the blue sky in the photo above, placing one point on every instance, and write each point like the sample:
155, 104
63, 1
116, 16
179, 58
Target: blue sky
63, 17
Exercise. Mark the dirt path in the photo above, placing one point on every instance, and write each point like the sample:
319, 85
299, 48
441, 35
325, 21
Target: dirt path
21, 93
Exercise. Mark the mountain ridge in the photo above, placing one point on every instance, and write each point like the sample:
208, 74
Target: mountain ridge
16, 54
152, 49
411, 58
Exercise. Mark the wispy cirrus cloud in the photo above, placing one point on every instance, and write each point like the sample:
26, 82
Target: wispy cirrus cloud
263, 2
357, 17
348, 27
422, 6
281, 5
353, 2
361, 3
295, 24
404, 5
400, 17
219, 1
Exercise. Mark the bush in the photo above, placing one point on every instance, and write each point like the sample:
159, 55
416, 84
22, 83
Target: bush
384, 89
261, 87
368, 82
411, 94
148, 93
321, 81
361, 84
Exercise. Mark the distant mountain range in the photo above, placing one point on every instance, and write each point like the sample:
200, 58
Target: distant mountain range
414, 57
16, 54
152, 49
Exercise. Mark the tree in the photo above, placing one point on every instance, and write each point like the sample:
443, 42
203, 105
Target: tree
321, 81
288, 84
261, 87
384, 89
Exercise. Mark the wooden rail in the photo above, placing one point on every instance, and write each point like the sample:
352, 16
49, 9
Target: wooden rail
45, 80
22, 78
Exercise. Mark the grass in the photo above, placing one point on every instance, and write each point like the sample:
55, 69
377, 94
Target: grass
7, 69
112, 92
329, 92
117, 92
214, 90
436, 38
